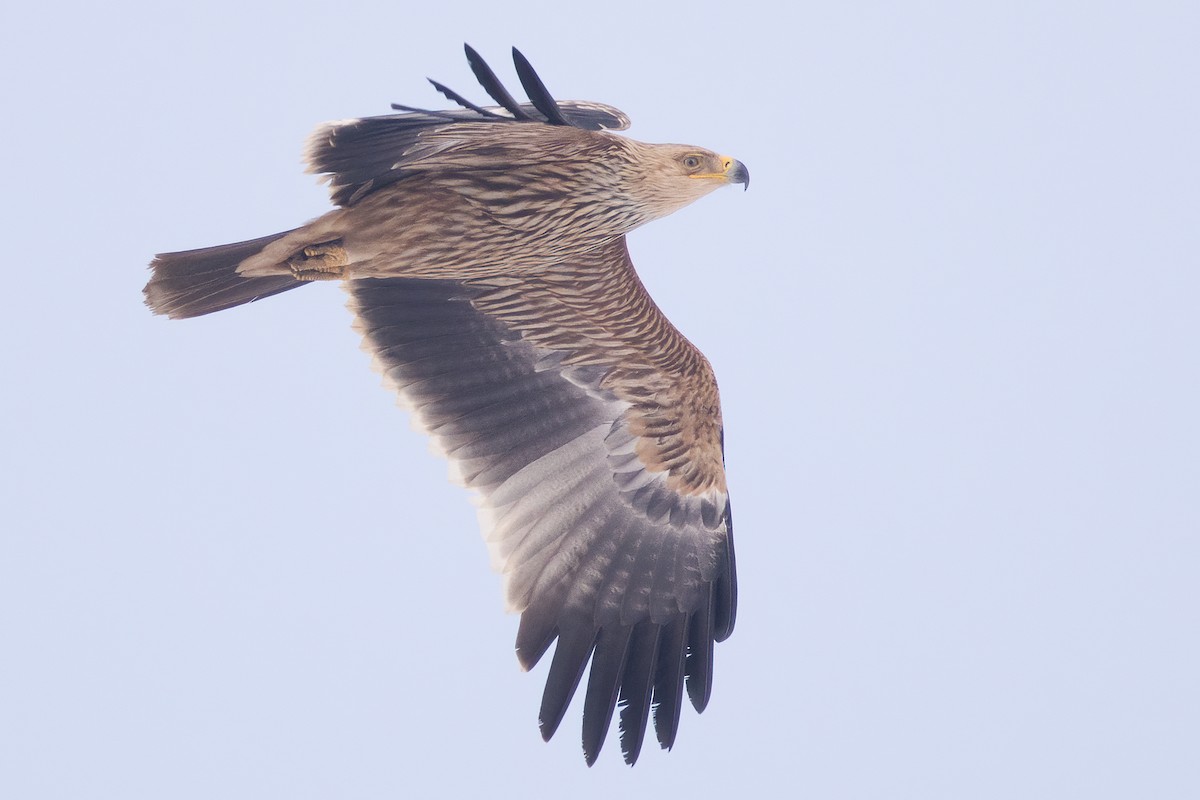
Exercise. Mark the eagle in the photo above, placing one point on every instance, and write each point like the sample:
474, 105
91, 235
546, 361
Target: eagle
484, 253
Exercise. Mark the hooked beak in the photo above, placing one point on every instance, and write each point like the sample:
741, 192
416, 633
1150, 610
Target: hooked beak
736, 172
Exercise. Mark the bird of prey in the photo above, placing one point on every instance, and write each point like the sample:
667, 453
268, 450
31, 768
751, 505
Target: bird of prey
483, 249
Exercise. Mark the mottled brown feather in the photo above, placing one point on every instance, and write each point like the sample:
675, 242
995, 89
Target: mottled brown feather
596, 309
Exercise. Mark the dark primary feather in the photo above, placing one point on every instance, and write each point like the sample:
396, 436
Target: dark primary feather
725, 599
462, 101
637, 687
604, 685
668, 681
492, 84
575, 645
538, 94
700, 656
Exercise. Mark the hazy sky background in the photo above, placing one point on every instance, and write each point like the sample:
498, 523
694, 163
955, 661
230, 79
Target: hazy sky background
955, 325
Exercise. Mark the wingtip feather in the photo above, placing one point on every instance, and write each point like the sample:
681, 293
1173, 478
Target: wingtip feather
539, 95
566, 669
700, 656
604, 684
492, 85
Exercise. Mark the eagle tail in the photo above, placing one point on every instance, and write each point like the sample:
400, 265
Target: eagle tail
195, 282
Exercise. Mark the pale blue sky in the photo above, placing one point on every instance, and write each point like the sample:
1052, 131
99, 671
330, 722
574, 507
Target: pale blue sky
955, 325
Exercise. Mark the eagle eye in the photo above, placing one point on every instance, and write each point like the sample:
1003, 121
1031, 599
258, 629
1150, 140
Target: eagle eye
691, 162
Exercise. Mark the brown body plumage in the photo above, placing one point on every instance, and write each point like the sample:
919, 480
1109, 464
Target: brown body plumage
484, 254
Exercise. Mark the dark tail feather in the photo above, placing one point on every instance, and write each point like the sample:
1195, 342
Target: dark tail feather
195, 282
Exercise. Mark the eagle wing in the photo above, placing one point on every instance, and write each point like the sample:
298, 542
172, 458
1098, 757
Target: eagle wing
591, 430
359, 156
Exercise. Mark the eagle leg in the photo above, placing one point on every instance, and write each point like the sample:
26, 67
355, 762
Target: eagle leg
325, 261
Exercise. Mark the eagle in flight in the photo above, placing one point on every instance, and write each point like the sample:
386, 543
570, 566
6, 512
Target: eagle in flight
483, 249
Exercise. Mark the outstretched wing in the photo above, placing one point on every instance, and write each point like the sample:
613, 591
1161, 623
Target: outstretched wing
591, 429
363, 155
